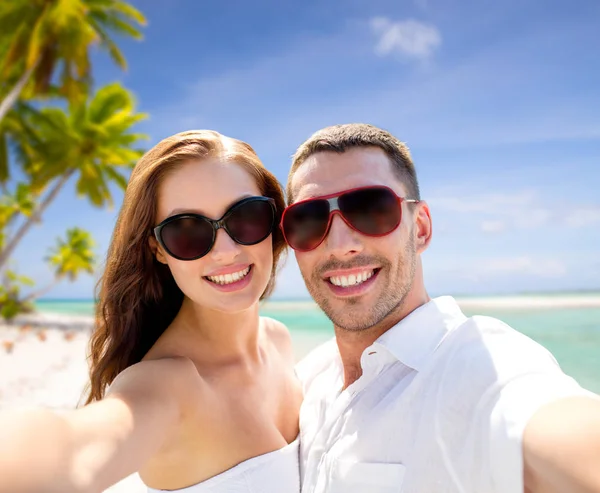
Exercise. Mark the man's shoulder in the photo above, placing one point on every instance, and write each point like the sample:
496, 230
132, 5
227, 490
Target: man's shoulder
317, 361
488, 350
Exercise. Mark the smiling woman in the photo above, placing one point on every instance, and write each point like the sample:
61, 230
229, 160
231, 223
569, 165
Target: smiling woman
199, 383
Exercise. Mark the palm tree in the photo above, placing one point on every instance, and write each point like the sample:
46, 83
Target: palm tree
69, 258
21, 202
40, 37
11, 302
91, 142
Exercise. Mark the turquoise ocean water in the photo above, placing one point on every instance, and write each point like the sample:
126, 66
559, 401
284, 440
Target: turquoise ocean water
571, 334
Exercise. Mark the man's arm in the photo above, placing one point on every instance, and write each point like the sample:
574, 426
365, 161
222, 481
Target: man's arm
561, 447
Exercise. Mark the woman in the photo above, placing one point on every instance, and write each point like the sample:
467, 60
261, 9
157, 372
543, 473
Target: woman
202, 395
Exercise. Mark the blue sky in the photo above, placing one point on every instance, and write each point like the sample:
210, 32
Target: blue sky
498, 102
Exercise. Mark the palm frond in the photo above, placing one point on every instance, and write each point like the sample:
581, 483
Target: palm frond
116, 24
109, 101
91, 184
109, 45
11, 15
116, 177
57, 36
16, 49
128, 11
37, 39
72, 255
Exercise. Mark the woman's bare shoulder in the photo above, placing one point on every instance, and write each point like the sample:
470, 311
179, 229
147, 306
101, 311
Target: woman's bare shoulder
279, 334
160, 378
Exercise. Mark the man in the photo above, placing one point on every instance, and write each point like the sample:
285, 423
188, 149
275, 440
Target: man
413, 396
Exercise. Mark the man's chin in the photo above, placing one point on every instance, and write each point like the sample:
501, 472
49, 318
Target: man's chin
354, 316
352, 324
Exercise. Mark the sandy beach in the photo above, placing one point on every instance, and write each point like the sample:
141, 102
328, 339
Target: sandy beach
43, 356
530, 301
43, 364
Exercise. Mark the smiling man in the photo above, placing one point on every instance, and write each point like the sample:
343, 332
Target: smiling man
413, 395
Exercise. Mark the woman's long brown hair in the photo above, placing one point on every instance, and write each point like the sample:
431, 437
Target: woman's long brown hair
138, 297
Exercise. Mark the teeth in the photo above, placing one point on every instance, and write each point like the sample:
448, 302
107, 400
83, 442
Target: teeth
229, 278
352, 279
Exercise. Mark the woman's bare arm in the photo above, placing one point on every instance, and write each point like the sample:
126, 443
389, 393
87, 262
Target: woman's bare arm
89, 449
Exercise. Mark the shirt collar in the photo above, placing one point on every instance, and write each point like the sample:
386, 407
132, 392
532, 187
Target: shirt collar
416, 337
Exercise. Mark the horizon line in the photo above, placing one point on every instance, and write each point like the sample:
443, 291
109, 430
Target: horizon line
457, 295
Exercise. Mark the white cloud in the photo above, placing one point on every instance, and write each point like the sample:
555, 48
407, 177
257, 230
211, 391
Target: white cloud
497, 212
583, 216
455, 200
481, 268
493, 226
523, 265
466, 272
409, 37
525, 209
532, 218
450, 102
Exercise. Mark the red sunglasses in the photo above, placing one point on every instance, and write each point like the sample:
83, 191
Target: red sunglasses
372, 211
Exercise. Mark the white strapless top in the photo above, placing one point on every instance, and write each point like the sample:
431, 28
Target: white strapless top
274, 472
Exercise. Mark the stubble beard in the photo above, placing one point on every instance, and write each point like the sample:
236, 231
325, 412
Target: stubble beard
353, 315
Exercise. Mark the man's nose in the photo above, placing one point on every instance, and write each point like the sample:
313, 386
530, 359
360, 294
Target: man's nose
342, 240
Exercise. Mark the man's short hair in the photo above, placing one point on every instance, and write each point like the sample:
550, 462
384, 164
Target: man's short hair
340, 138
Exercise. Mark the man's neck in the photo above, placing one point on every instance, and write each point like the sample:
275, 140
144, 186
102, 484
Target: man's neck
352, 344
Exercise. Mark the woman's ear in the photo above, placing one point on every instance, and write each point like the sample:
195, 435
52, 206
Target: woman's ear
157, 250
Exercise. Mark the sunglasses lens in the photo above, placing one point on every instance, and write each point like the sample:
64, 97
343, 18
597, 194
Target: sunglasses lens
372, 211
251, 222
187, 238
305, 224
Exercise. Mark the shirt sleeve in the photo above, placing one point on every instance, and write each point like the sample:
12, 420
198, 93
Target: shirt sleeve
517, 401
494, 381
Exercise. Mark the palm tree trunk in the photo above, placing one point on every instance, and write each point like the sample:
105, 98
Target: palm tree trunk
40, 292
11, 98
36, 216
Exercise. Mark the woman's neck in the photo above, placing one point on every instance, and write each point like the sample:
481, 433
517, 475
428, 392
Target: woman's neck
220, 336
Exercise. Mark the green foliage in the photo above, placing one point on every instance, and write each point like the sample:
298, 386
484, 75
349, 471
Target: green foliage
44, 52
73, 255
11, 301
51, 36
92, 139
21, 202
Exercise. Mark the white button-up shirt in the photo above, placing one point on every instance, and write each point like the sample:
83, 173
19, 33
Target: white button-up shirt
440, 407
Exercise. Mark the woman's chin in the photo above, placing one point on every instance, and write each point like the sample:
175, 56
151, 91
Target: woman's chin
231, 302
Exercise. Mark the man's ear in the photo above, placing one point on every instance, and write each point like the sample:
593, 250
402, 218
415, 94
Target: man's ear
157, 250
423, 226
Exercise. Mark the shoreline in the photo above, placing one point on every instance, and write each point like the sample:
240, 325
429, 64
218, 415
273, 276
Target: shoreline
482, 302
530, 301
67, 324
66, 321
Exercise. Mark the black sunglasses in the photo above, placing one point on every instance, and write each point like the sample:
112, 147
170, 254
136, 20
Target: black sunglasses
190, 236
